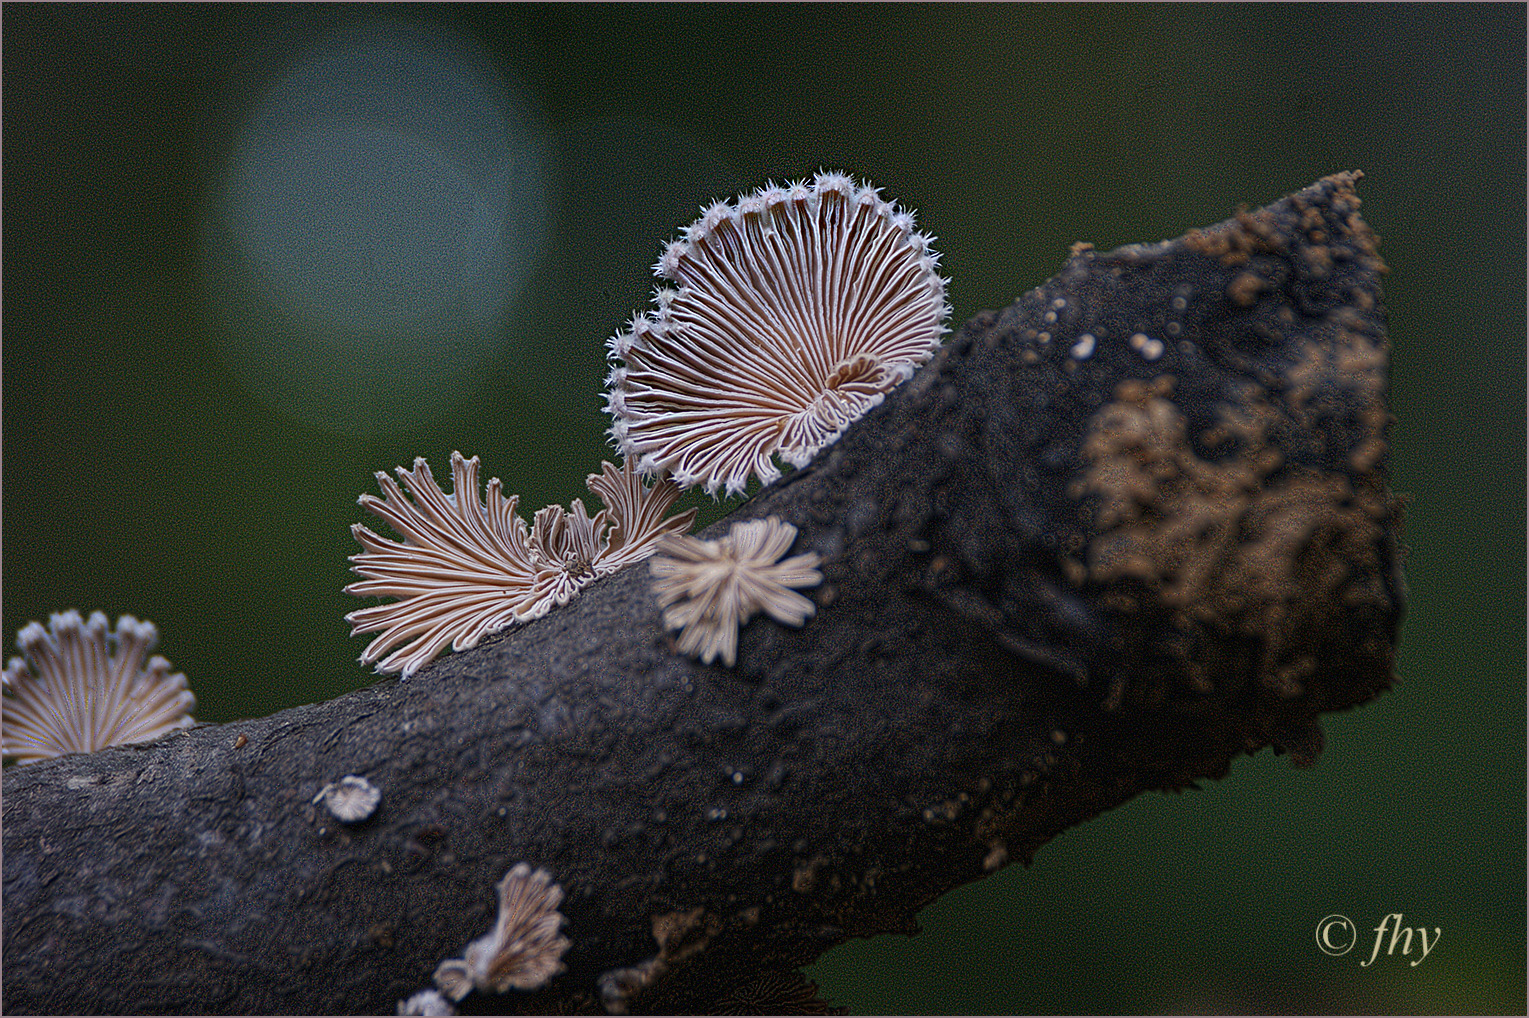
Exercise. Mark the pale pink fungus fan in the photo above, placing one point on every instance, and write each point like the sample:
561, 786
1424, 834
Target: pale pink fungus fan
708, 589
79, 688
525, 948
468, 565
792, 314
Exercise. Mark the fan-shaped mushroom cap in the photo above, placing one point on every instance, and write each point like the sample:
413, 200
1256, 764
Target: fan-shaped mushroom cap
469, 566
794, 313
351, 799
524, 949
79, 688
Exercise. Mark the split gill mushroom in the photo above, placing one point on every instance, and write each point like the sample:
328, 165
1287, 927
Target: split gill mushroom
468, 565
79, 687
792, 313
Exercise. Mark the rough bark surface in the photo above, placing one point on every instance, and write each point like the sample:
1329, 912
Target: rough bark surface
1113, 536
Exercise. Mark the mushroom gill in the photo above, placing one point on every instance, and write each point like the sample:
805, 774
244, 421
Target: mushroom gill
793, 313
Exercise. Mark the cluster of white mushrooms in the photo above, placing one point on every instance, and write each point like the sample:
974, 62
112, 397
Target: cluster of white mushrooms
470, 566
790, 315
784, 318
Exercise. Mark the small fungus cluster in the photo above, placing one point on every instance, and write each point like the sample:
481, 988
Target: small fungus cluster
680, 936
525, 948
791, 314
78, 688
469, 566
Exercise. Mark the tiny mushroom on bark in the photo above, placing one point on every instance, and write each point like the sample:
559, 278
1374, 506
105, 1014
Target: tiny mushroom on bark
79, 688
524, 949
469, 566
793, 313
426, 1002
709, 588
351, 799
774, 991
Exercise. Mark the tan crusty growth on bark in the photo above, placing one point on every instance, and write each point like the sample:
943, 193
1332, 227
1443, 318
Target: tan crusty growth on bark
1240, 543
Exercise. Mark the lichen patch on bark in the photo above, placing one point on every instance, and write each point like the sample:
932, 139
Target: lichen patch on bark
1218, 529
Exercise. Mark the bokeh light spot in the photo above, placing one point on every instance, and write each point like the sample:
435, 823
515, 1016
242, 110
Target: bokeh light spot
376, 217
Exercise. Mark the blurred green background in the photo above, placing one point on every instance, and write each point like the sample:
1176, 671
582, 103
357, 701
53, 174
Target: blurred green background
254, 254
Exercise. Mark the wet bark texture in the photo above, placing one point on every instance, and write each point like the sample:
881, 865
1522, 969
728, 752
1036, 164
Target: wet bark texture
1113, 536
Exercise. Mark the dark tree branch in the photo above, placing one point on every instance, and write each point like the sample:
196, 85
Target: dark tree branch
1051, 582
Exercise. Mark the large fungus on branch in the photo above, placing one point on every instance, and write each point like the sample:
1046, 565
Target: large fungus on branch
793, 314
